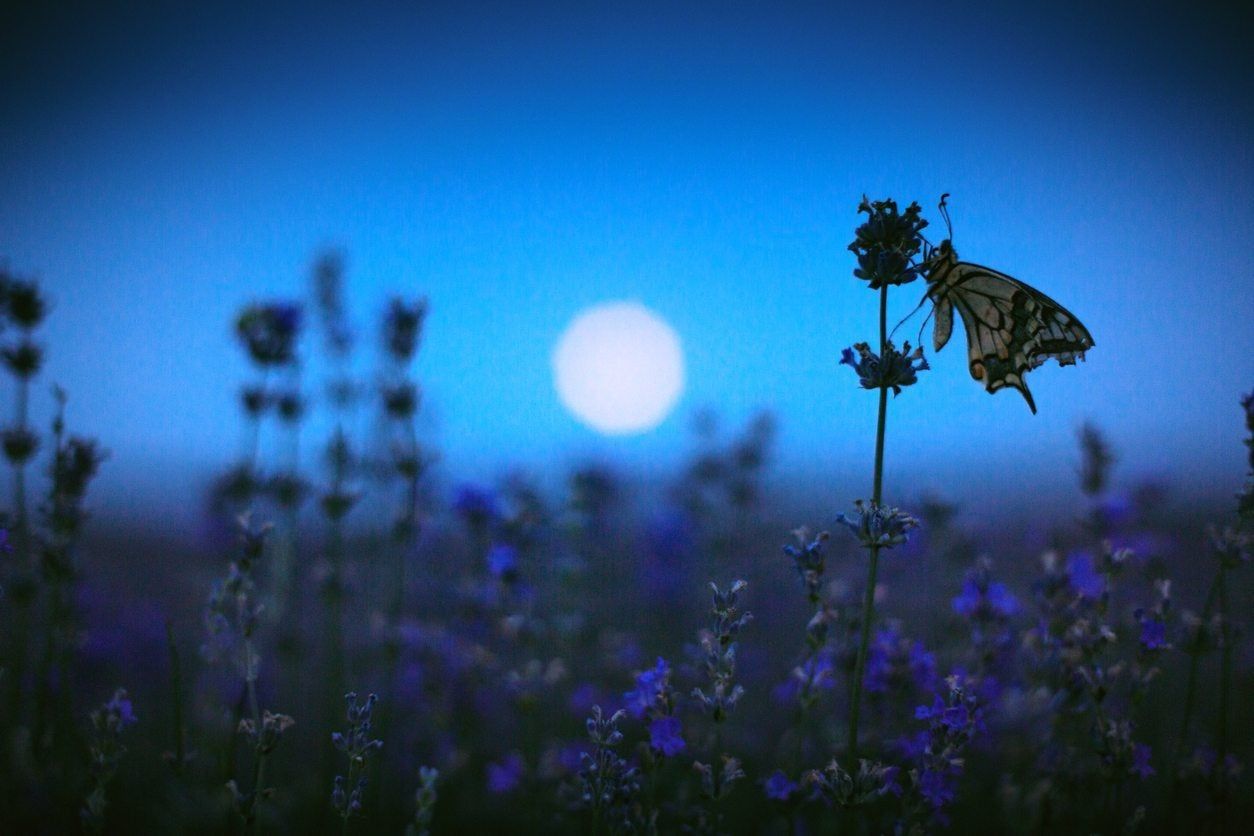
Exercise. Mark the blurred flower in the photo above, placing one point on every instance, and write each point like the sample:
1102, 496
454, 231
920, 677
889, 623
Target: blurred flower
503, 561
779, 787
665, 735
895, 662
477, 506
24, 305
1141, 761
1082, 575
1153, 634
268, 332
983, 598
506, 775
651, 687
402, 327
1096, 460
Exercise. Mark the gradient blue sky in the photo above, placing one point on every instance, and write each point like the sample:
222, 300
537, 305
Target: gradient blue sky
517, 162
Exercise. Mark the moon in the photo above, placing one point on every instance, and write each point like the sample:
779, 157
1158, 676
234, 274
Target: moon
619, 368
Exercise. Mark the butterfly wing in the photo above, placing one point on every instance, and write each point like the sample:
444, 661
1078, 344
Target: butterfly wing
1011, 327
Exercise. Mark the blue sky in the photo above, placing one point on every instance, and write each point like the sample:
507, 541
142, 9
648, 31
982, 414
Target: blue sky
159, 168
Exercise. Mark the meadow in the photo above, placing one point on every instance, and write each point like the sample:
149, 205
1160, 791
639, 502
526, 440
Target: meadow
371, 648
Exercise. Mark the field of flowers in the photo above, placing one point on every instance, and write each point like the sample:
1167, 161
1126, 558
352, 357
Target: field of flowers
376, 651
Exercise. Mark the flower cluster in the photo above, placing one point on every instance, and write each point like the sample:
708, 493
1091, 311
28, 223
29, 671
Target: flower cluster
105, 750
357, 744
402, 328
878, 526
897, 664
424, 802
608, 786
887, 242
892, 371
268, 332
653, 699
938, 751
719, 648
836, 785
265, 738
809, 560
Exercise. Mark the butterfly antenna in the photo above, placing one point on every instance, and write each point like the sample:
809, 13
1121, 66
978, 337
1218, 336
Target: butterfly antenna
908, 316
944, 210
926, 319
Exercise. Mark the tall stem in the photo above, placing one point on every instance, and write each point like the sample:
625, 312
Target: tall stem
1225, 688
868, 603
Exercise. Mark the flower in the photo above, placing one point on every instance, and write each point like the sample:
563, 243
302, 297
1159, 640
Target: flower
886, 243
892, 371
877, 526
982, 598
506, 775
665, 736
402, 327
1153, 634
651, 688
1141, 761
779, 787
119, 712
1084, 579
503, 561
268, 332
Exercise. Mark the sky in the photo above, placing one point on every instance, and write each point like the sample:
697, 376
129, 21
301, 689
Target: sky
517, 163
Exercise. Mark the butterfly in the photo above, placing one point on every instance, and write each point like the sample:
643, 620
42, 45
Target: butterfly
1011, 327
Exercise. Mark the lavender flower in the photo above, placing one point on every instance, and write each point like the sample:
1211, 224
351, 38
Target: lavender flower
896, 369
779, 787
505, 775
105, 750
355, 742
886, 243
608, 786
268, 332
878, 526
836, 785
652, 690
666, 736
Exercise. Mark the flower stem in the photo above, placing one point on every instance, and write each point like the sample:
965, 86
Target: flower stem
1225, 688
868, 605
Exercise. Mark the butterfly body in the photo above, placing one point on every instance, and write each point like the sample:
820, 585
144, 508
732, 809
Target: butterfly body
1011, 327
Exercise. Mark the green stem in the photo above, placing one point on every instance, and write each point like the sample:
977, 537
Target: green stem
868, 604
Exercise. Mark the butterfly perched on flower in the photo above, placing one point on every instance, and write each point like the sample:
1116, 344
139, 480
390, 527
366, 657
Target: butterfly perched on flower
1011, 327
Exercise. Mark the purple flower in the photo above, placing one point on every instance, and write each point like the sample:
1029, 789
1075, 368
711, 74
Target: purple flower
583, 697
893, 371
779, 786
1153, 634
665, 736
5, 546
1084, 579
1141, 761
505, 776
120, 710
936, 788
895, 660
477, 505
502, 561
991, 599
650, 684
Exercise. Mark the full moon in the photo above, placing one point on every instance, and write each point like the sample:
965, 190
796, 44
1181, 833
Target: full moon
618, 367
